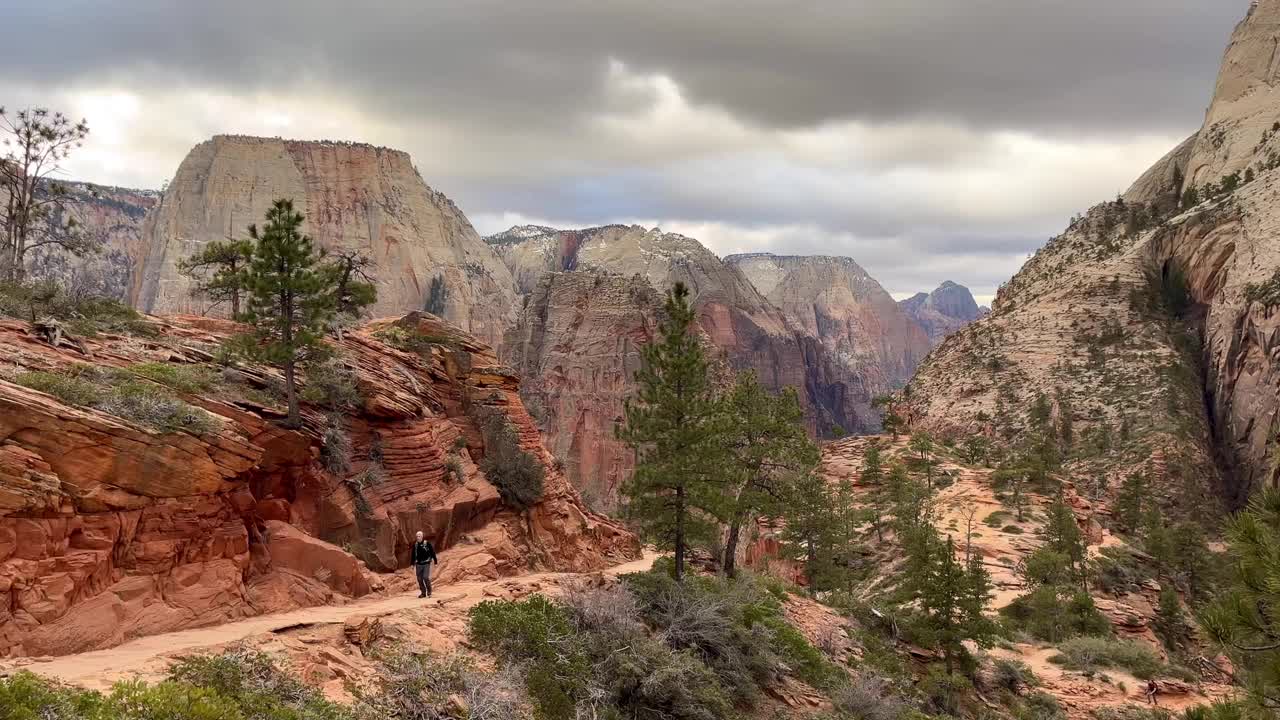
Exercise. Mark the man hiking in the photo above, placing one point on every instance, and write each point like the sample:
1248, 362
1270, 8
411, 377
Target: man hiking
1153, 689
423, 556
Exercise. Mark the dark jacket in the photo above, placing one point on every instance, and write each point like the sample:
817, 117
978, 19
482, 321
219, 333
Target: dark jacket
424, 553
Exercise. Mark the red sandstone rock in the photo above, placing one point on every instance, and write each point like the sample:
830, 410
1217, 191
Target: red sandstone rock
110, 531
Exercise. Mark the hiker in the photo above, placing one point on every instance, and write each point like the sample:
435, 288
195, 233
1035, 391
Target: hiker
423, 556
1152, 690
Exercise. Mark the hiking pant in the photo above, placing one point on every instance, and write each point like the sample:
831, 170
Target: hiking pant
424, 577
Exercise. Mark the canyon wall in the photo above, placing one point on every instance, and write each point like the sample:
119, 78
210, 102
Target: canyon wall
111, 530
355, 197
1154, 315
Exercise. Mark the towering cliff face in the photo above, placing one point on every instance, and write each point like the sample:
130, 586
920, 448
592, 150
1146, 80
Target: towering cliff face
1147, 315
592, 301
578, 343
863, 332
110, 530
943, 311
354, 197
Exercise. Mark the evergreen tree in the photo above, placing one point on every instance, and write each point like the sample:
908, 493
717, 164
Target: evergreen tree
1245, 617
1169, 623
1062, 536
220, 271
671, 423
1157, 541
353, 282
1130, 501
890, 420
879, 494
922, 445
767, 446
846, 540
1194, 562
33, 212
809, 521
952, 599
291, 297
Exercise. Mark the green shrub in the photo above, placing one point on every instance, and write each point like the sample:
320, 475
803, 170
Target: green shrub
335, 448
537, 633
332, 385
944, 691
145, 404
1046, 615
1091, 653
256, 685
453, 468
425, 686
997, 518
1013, 676
24, 696
70, 390
190, 379
516, 474
1039, 706
869, 697
1012, 529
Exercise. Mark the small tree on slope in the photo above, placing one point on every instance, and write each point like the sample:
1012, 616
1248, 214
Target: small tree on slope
671, 422
768, 447
218, 271
292, 297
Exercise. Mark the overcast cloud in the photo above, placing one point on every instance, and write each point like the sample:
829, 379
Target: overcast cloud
928, 139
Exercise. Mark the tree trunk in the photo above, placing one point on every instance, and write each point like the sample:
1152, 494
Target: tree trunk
731, 546
291, 391
679, 555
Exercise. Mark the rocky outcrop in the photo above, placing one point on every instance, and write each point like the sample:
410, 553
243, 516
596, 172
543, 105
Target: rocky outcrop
1149, 316
355, 197
947, 309
864, 334
110, 530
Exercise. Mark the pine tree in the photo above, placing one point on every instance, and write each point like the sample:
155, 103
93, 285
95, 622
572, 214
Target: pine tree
767, 445
878, 497
671, 423
36, 142
922, 445
220, 271
291, 297
808, 526
952, 599
353, 282
846, 518
1169, 623
1245, 617
1130, 500
1062, 536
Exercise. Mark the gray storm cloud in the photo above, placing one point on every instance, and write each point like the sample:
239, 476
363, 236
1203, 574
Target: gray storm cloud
939, 131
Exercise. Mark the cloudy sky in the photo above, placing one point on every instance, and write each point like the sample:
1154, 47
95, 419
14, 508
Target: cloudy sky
928, 139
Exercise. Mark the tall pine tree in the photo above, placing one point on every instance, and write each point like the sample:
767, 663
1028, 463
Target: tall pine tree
292, 297
672, 424
764, 435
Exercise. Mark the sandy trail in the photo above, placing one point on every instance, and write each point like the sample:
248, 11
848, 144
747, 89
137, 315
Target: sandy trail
146, 657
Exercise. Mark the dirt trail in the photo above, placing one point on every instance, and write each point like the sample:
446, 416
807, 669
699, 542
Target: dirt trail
148, 657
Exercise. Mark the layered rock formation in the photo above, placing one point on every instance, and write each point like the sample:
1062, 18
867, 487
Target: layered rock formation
947, 309
591, 302
355, 197
865, 336
112, 218
1150, 314
110, 530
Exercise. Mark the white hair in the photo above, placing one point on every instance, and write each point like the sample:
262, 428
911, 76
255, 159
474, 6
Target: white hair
419, 533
